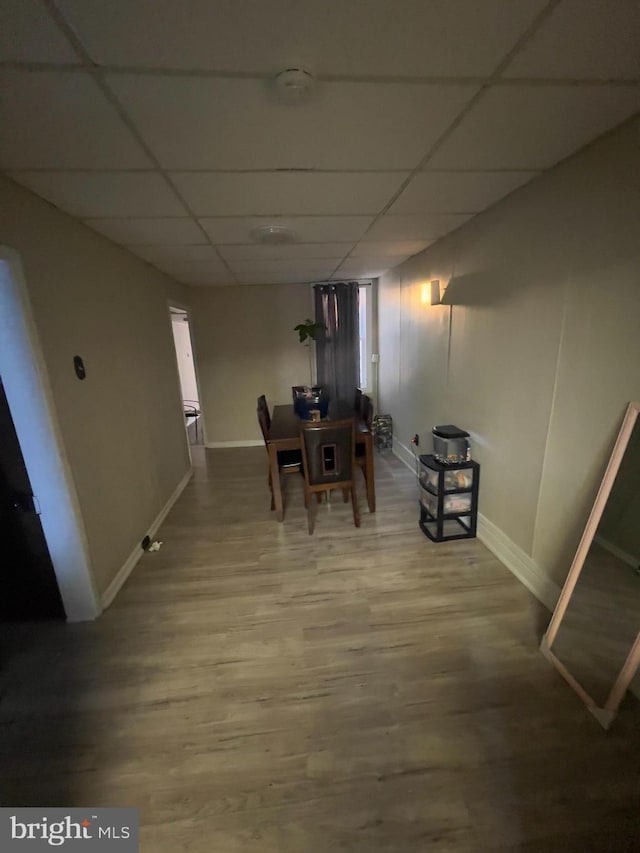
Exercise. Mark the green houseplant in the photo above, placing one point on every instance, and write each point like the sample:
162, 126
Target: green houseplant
307, 332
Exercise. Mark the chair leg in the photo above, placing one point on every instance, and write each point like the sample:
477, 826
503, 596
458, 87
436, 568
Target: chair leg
273, 502
319, 497
310, 515
354, 504
345, 495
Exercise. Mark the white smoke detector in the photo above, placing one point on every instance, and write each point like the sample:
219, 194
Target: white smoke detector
273, 235
293, 84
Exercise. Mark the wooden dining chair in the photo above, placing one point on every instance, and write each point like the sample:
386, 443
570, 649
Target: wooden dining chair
289, 461
357, 402
328, 462
366, 410
366, 416
191, 409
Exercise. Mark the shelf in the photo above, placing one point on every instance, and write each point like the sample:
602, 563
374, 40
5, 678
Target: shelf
441, 488
459, 531
447, 516
447, 491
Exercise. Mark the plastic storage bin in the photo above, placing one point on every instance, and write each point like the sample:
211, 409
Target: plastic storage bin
450, 444
448, 498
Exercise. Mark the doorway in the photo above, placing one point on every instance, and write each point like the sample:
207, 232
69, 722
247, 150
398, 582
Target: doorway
31, 419
191, 408
29, 586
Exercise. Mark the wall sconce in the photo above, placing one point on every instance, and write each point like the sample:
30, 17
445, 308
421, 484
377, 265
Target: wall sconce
430, 293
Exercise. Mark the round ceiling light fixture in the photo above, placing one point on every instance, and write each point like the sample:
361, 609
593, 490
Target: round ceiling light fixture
293, 84
272, 235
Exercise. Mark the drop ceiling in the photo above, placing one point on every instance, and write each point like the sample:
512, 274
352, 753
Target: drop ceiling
158, 123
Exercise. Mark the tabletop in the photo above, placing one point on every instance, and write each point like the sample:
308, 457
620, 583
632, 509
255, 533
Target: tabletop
285, 423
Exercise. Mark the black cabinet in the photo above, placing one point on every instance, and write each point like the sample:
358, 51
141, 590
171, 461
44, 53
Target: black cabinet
448, 499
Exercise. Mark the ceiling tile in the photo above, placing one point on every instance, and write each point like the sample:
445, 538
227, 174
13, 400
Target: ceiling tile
146, 231
364, 268
196, 272
263, 269
332, 36
310, 229
266, 193
457, 192
375, 260
177, 254
582, 39
415, 227
301, 277
100, 194
209, 283
28, 34
204, 123
258, 252
390, 249
533, 127
61, 120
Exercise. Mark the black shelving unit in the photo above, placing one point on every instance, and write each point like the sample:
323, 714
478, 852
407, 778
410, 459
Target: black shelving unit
448, 499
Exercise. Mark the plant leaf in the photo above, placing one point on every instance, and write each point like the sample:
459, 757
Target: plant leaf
308, 329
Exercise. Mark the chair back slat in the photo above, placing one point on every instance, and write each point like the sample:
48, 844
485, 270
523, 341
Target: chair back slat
328, 451
366, 410
264, 418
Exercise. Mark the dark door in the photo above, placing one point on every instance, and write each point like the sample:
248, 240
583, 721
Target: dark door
28, 586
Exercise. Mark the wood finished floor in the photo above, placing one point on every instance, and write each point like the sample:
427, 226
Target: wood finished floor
256, 689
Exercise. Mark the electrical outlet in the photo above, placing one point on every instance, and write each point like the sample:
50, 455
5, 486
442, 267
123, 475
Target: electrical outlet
416, 440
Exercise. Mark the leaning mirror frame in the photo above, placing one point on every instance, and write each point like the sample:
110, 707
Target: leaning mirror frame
606, 713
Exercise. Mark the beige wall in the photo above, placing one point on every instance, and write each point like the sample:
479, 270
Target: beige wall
539, 353
245, 346
122, 427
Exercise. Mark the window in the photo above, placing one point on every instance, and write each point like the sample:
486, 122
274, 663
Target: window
365, 302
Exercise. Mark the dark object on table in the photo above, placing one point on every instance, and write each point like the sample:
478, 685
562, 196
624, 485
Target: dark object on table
306, 401
451, 444
448, 499
328, 462
297, 389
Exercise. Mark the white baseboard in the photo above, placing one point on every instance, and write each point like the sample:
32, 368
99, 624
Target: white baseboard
627, 558
518, 562
218, 444
511, 555
116, 584
404, 454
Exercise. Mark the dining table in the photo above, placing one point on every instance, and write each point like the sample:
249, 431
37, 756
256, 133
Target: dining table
285, 435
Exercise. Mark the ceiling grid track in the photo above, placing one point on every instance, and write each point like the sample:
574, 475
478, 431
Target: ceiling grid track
175, 140
98, 75
502, 65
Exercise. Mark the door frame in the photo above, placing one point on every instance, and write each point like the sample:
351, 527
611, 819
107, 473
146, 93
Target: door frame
180, 306
28, 390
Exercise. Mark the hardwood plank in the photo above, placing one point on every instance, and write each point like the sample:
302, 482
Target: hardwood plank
254, 688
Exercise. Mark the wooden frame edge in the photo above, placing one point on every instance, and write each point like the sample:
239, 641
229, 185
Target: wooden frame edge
606, 714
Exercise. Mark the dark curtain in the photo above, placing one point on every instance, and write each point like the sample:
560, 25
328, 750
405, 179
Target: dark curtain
338, 347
